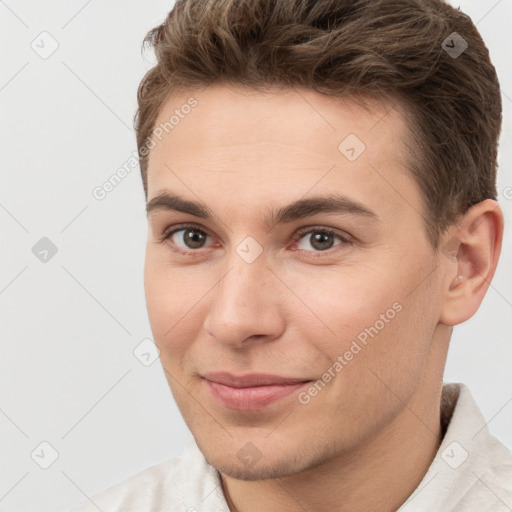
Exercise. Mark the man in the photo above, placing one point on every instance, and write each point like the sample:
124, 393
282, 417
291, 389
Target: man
320, 184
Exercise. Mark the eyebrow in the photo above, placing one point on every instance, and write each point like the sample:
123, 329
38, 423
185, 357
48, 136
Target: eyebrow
300, 209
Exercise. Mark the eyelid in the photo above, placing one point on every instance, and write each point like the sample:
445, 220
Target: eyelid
179, 227
342, 235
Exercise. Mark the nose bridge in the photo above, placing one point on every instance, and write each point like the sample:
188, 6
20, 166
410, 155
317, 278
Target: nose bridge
245, 277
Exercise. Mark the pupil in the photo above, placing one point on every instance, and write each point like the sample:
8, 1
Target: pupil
193, 239
319, 240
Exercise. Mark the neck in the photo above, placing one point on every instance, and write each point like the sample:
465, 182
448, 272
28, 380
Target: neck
377, 475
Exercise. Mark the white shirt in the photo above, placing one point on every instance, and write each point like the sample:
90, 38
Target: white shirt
471, 472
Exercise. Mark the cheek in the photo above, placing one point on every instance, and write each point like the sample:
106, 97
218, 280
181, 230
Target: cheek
171, 303
346, 302
368, 319
378, 351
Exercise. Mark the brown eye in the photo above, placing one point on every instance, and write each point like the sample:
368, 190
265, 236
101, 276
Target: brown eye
319, 239
192, 238
186, 238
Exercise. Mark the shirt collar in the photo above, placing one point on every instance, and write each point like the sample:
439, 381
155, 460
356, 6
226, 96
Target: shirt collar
466, 457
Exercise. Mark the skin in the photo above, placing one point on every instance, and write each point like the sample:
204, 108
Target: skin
365, 440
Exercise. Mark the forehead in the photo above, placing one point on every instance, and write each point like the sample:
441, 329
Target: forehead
296, 116
251, 146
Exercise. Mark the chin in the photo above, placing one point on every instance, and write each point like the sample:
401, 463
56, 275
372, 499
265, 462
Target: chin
260, 471
228, 463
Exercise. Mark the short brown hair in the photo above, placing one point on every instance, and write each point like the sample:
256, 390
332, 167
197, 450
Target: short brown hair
381, 49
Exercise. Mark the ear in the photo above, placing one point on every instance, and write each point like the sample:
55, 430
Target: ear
469, 256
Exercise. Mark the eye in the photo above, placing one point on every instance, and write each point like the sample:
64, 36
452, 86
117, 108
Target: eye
320, 239
192, 238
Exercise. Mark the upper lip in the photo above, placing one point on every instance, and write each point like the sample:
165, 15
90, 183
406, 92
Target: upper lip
250, 379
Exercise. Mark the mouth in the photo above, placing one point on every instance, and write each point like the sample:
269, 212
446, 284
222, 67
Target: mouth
251, 392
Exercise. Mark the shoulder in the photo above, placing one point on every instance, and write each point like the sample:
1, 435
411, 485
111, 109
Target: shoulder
156, 485
178, 484
491, 479
472, 470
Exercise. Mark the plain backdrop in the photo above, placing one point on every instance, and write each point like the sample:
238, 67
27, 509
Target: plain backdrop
69, 325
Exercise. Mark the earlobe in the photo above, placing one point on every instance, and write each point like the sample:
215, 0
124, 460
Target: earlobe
470, 255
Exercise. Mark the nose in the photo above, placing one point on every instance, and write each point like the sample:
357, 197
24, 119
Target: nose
246, 304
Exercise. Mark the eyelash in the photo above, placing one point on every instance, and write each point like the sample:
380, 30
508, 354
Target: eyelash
300, 233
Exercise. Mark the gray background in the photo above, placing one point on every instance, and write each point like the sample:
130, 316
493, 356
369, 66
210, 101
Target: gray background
69, 325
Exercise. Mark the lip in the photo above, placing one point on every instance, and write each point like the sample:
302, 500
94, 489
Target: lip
250, 392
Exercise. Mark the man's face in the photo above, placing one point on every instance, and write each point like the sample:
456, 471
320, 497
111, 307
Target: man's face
344, 303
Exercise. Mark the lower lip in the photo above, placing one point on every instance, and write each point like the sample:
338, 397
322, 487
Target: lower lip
251, 399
